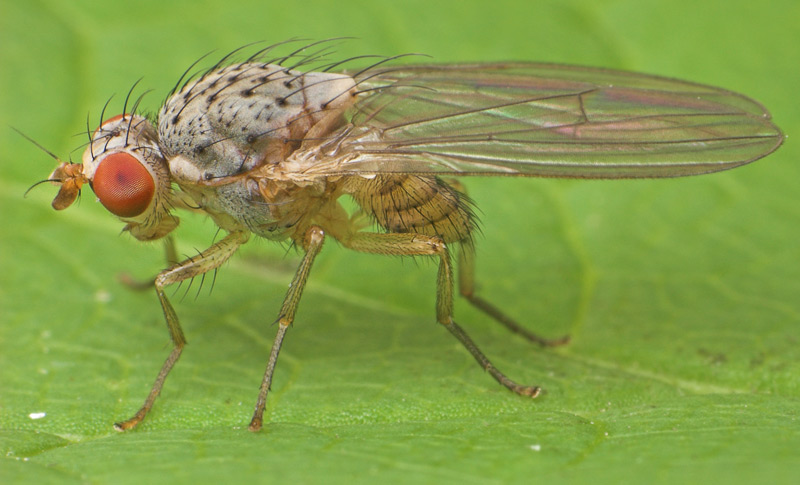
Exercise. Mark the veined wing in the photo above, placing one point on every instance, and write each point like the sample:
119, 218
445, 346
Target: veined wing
543, 120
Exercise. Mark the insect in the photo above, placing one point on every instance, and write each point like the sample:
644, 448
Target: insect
267, 147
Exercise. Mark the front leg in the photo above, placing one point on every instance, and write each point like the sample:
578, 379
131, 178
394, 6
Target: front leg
210, 259
171, 256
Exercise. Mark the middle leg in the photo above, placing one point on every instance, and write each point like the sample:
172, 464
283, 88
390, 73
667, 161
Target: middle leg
312, 243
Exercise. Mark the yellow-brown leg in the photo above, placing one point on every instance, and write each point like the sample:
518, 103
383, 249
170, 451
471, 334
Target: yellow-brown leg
171, 256
466, 286
206, 261
312, 243
416, 244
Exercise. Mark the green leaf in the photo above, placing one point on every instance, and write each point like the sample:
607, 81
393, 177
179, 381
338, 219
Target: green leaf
681, 296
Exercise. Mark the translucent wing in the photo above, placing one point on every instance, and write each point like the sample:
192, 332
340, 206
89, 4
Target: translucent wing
542, 120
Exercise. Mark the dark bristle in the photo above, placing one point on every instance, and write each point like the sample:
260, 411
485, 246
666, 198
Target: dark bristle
102, 114
258, 54
283, 59
384, 61
128, 96
226, 57
349, 59
178, 83
138, 102
89, 132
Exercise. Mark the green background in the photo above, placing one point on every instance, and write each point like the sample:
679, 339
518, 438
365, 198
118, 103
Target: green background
682, 296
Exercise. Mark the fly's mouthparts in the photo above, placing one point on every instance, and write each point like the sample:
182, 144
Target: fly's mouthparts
71, 178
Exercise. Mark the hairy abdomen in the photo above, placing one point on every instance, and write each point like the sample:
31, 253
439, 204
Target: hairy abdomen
414, 203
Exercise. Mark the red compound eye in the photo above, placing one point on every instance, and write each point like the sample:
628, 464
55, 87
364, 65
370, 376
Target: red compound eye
123, 185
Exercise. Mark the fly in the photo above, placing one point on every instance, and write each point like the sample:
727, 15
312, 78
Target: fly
267, 149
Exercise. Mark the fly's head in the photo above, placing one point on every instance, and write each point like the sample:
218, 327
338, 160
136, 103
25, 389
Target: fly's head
125, 168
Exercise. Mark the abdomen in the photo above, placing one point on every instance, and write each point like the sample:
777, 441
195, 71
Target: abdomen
414, 204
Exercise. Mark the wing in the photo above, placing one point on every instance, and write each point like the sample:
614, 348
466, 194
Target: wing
541, 120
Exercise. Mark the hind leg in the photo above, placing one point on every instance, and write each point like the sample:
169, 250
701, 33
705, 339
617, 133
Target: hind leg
406, 244
466, 286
